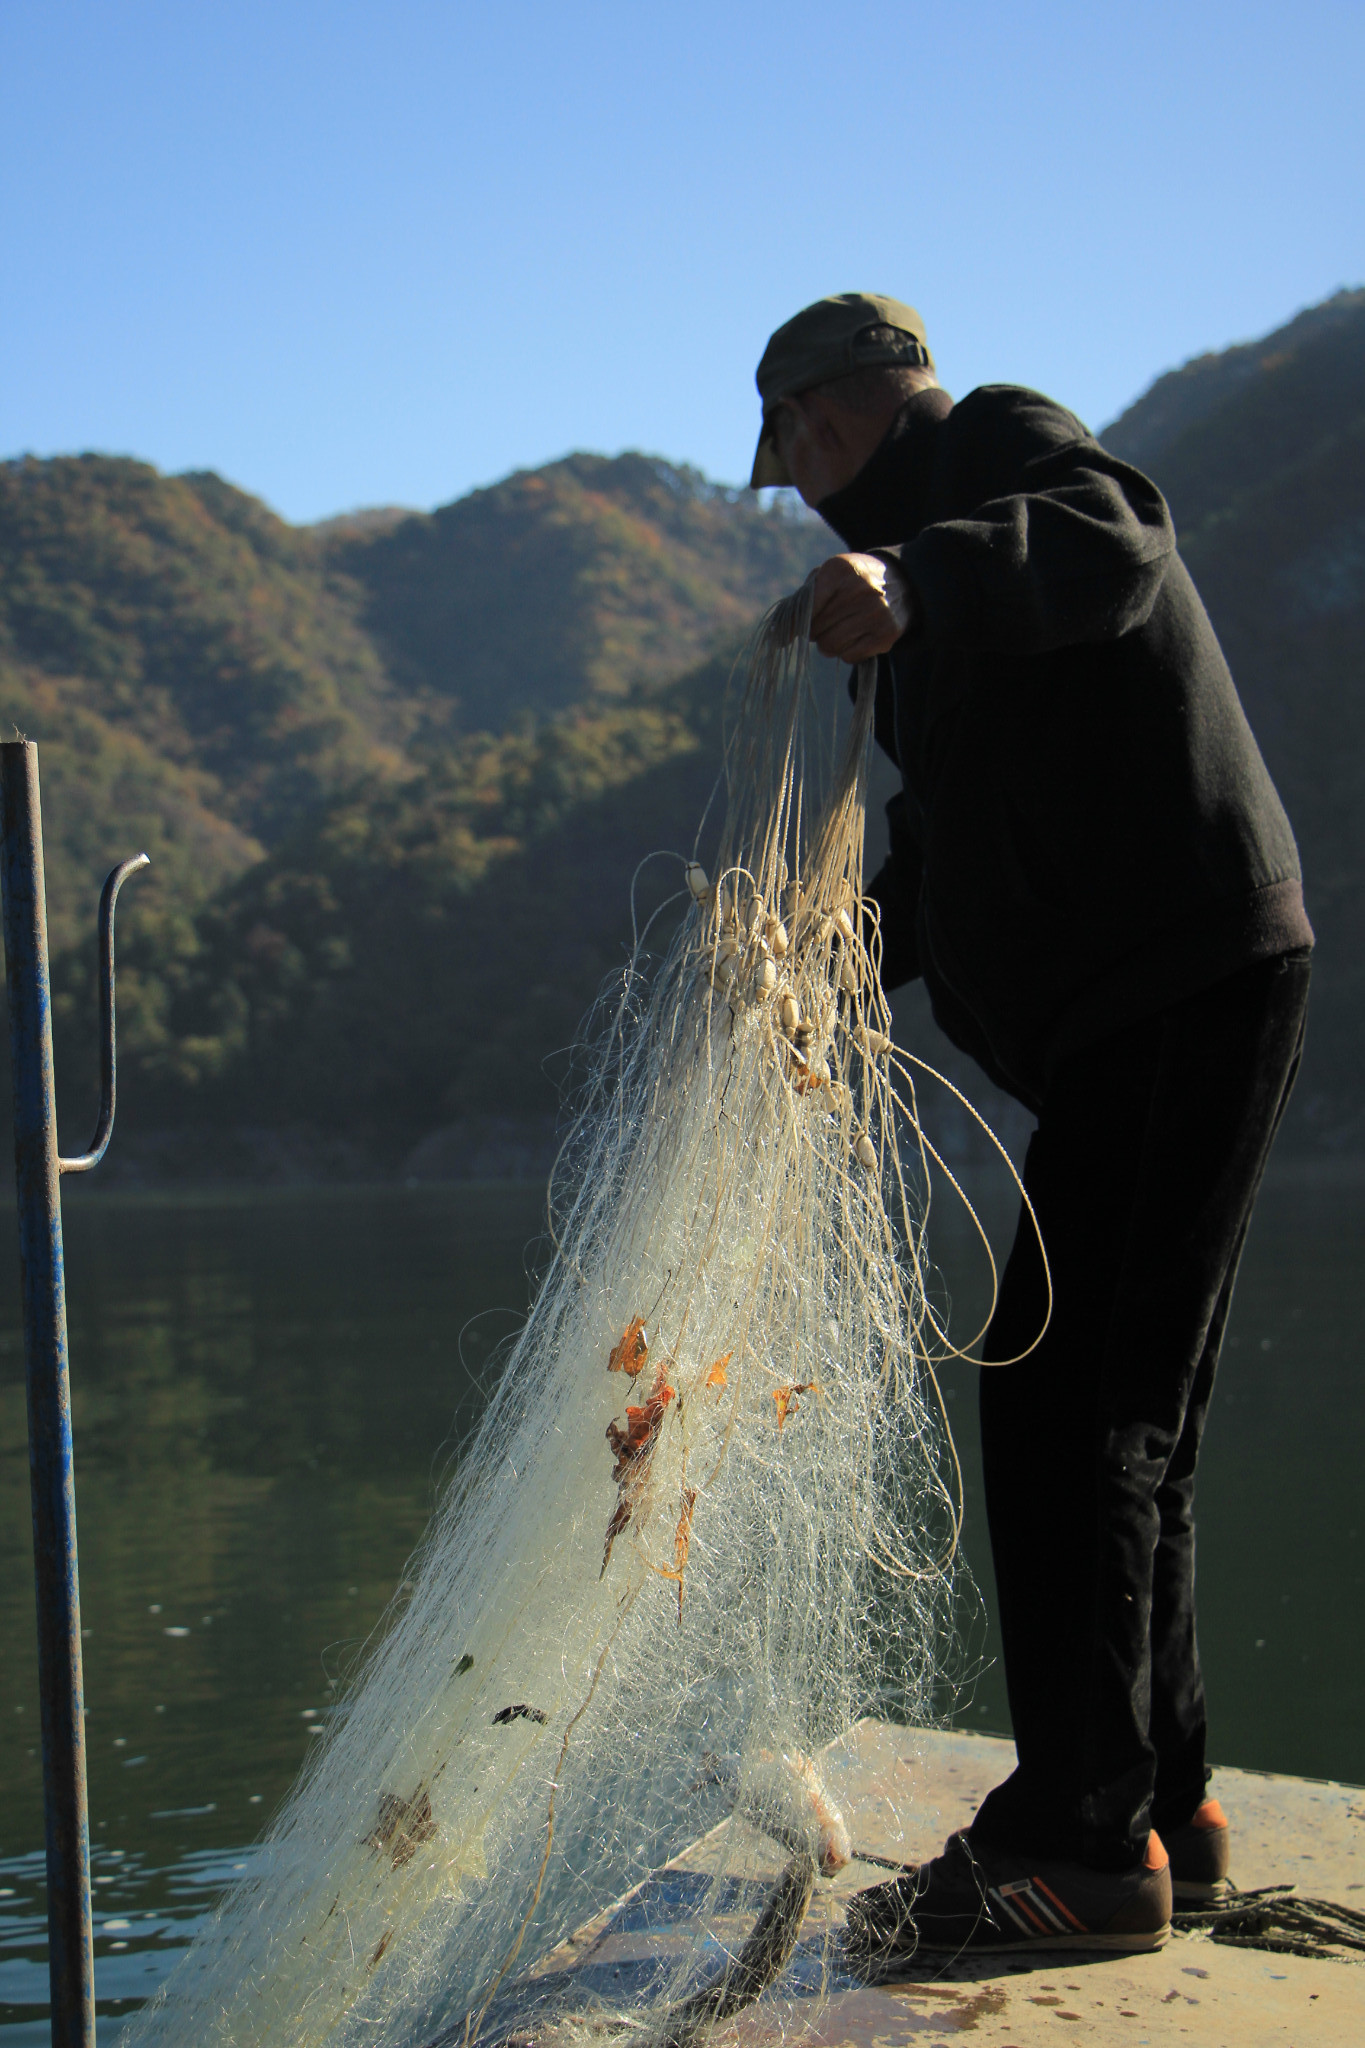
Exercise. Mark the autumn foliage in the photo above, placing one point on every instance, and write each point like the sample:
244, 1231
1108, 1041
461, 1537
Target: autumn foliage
630, 1354
633, 1448
786, 1399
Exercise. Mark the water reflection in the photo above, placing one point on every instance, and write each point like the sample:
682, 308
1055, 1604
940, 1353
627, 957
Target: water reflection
266, 1393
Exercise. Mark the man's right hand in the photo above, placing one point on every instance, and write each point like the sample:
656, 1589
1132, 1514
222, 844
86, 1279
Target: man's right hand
861, 608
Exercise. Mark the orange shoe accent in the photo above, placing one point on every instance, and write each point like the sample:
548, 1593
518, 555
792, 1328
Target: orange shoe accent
1210, 1815
1156, 1857
1060, 1905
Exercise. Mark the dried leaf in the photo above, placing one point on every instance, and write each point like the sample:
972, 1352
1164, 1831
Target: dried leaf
682, 1544
717, 1376
402, 1824
787, 1403
633, 1448
520, 1712
619, 1519
630, 1354
635, 1442
682, 1535
682, 1540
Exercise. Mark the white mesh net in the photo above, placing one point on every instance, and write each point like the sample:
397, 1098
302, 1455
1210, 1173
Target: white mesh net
705, 1523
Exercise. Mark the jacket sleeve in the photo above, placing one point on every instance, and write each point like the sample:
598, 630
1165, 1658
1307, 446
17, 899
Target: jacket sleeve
894, 889
1077, 554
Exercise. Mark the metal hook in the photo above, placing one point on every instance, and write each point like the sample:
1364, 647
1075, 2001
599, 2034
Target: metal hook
99, 1144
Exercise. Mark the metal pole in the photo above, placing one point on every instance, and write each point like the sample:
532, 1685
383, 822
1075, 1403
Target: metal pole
71, 1960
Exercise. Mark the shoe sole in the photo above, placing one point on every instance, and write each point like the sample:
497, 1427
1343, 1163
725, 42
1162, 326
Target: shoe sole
1112, 1944
1117, 1944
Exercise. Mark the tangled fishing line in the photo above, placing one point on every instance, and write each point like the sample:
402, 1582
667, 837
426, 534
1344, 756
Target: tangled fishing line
708, 1519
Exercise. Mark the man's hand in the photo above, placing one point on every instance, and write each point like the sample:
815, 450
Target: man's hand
861, 608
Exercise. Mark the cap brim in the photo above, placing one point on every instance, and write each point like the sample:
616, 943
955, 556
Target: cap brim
769, 468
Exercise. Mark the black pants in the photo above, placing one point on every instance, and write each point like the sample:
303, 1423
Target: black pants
1143, 1171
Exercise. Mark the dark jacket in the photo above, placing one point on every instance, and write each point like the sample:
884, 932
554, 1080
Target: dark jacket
1087, 831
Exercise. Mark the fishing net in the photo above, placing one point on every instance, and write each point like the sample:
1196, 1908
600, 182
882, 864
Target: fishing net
1274, 1918
707, 1520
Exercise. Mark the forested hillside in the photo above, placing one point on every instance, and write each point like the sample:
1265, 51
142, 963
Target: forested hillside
395, 771
581, 581
329, 740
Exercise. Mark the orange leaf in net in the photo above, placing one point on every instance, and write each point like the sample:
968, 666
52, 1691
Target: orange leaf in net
619, 1519
633, 1449
787, 1403
682, 1535
630, 1354
682, 1543
717, 1376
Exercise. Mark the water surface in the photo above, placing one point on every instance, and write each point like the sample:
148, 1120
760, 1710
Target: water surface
266, 1392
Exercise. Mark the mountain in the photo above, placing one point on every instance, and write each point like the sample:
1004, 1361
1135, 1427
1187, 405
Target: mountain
1324, 340
285, 663
181, 611
397, 770
582, 580
304, 725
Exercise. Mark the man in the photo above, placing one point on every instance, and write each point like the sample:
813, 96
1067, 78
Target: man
1092, 872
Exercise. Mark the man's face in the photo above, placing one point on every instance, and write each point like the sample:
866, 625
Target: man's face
823, 443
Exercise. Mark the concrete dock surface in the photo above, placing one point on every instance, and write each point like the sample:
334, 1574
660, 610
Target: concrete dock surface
902, 1791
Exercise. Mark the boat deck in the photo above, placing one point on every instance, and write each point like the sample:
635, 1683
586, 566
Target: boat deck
902, 1791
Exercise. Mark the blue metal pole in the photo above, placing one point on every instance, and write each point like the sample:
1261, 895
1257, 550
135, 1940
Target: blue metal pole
71, 1961
71, 1956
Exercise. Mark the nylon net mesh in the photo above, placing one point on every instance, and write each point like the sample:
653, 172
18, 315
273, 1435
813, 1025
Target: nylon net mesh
707, 1519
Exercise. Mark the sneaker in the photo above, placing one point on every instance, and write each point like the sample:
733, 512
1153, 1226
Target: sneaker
1200, 1855
978, 1899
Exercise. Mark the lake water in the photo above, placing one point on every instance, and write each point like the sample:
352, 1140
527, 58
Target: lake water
266, 1392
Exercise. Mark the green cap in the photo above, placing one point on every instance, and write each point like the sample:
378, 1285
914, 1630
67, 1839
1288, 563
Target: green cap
828, 340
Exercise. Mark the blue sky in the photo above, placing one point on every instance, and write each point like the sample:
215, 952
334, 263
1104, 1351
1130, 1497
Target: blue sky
352, 254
